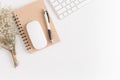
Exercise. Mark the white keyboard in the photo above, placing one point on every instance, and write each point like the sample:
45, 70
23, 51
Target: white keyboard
64, 8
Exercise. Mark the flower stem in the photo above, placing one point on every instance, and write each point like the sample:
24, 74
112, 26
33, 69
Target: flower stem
14, 58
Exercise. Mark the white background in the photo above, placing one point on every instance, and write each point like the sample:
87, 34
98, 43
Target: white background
89, 47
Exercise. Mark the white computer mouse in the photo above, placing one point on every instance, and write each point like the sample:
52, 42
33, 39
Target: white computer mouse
36, 34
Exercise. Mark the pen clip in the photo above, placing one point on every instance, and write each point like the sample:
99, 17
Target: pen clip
46, 12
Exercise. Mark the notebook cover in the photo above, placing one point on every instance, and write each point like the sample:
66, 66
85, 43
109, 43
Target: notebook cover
35, 11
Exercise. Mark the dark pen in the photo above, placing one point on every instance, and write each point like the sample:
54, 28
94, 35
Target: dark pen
47, 19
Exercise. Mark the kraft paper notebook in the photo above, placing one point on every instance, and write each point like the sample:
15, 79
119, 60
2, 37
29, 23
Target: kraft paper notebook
28, 13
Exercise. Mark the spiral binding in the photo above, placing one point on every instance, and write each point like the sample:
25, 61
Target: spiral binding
21, 31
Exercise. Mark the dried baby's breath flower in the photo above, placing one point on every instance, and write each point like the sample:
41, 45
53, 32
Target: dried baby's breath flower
8, 32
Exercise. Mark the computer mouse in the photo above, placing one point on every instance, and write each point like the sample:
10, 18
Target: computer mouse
36, 34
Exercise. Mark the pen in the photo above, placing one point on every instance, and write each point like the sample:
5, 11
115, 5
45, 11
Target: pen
47, 19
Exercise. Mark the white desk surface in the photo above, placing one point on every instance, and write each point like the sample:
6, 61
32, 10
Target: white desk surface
89, 47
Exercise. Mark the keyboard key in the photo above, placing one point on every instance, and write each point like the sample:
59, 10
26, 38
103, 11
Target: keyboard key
52, 1
61, 16
69, 11
60, 1
63, 4
61, 10
65, 14
68, 7
72, 4
74, 8
67, 1
82, 3
58, 7
55, 3
77, 2
72, 0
